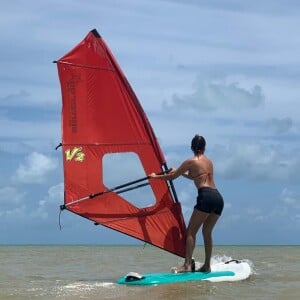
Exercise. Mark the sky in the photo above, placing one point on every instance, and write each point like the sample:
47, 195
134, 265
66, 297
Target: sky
228, 70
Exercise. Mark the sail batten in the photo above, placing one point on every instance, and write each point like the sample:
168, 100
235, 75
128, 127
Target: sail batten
85, 66
101, 115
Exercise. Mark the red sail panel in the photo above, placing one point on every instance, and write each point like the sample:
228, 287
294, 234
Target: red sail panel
101, 114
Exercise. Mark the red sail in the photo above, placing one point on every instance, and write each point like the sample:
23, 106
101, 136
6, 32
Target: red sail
102, 115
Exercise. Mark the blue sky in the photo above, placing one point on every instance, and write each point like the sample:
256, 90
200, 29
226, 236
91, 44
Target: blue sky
228, 70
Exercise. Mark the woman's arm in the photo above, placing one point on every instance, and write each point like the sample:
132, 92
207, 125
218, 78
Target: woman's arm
166, 176
174, 173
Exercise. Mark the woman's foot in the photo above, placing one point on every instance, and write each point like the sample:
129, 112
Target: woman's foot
184, 268
204, 269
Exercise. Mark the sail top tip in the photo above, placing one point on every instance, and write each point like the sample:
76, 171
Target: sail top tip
95, 33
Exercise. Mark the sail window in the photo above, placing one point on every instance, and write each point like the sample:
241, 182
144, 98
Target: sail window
119, 168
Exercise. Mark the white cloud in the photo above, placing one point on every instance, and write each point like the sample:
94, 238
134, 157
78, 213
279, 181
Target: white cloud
216, 93
290, 199
12, 205
20, 129
56, 192
284, 207
227, 205
15, 213
10, 197
35, 169
280, 126
261, 218
17, 97
15, 205
23, 98
256, 161
271, 8
50, 203
254, 211
233, 218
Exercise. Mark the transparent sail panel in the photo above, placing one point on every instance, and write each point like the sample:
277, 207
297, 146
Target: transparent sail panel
119, 168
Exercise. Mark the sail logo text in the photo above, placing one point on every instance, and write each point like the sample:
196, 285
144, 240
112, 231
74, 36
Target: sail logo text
75, 154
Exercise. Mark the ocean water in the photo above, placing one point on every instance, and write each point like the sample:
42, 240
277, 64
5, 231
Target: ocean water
90, 272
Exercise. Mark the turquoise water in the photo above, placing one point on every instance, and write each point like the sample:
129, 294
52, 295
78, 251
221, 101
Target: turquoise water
90, 272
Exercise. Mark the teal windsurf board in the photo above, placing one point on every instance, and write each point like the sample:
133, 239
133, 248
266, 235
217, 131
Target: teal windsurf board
233, 270
163, 278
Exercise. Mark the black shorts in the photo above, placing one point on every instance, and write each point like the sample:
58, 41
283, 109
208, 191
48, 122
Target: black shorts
210, 201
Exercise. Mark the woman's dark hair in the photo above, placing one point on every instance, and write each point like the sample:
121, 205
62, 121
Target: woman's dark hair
198, 144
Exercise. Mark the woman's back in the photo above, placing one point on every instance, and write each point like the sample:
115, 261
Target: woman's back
201, 171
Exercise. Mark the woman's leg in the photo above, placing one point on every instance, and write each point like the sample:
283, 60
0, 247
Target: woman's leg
197, 219
207, 228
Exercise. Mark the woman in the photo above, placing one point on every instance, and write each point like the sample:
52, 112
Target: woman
209, 201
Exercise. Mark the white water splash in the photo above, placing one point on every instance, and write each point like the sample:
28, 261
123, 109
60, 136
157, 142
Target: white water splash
242, 268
